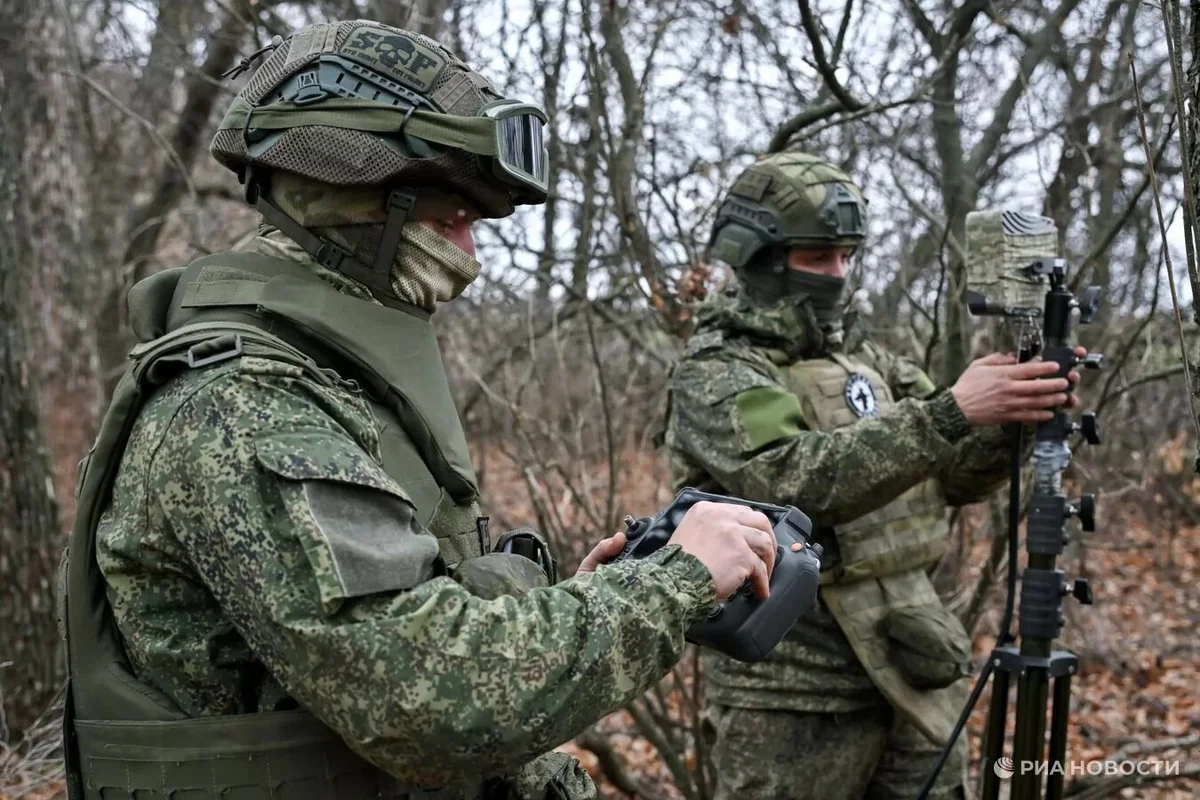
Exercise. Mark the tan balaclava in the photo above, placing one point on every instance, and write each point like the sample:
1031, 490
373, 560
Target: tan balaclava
428, 269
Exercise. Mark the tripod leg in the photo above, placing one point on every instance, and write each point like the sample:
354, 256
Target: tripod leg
1059, 711
1029, 739
993, 745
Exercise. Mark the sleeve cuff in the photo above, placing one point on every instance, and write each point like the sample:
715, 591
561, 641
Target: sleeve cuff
691, 578
948, 418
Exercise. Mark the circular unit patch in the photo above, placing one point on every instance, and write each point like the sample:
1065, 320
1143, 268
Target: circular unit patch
860, 396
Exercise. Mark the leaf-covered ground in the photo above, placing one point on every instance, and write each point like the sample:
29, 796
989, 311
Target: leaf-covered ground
1138, 688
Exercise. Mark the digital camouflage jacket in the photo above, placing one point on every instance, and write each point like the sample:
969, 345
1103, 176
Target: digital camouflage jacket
258, 556
735, 427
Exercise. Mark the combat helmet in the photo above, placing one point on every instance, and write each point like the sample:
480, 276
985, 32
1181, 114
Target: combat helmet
784, 200
359, 104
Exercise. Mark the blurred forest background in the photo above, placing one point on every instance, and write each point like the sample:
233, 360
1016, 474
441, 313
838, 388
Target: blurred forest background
558, 355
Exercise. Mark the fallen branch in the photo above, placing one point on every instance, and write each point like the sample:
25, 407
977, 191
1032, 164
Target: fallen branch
611, 765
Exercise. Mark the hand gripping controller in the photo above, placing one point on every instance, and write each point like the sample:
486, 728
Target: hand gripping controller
743, 627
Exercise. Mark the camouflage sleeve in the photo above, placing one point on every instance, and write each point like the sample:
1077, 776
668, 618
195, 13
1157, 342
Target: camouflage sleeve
903, 376
272, 498
976, 465
739, 425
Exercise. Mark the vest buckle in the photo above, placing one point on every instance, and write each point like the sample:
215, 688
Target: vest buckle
331, 255
212, 351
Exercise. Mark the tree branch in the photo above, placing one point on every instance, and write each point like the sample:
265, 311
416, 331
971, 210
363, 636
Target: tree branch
802, 120
823, 66
201, 93
624, 163
1032, 58
159, 139
1162, 374
924, 27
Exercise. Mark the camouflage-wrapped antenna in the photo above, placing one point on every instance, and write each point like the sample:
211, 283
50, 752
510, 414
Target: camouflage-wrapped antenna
1001, 246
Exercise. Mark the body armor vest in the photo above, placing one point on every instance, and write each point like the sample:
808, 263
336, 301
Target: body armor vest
883, 556
911, 530
125, 738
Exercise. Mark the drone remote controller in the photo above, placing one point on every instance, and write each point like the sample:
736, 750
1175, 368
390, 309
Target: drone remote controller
744, 627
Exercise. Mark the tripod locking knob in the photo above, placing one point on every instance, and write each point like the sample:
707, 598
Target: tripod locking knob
1089, 304
1082, 591
1090, 427
1085, 510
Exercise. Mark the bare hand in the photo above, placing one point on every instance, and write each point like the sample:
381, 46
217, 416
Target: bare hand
602, 553
996, 389
734, 542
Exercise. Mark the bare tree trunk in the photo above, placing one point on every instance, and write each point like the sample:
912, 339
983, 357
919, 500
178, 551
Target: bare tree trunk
623, 164
145, 222
585, 220
552, 59
1192, 174
956, 199
35, 198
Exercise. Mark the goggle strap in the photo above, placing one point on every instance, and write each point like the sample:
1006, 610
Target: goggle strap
472, 134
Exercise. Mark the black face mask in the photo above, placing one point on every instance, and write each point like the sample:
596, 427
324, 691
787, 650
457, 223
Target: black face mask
766, 288
824, 293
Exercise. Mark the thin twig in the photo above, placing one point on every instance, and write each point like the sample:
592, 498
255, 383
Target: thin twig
612, 766
1187, 367
1171, 23
1162, 374
657, 737
610, 511
145, 123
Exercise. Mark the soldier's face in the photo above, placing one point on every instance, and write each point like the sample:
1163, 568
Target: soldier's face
831, 261
448, 216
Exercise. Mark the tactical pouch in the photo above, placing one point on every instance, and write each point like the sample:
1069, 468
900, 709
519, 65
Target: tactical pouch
861, 609
530, 544
520, 561
928, 645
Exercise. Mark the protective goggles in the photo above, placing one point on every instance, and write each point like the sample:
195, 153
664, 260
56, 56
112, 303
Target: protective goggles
520, 146
508, 136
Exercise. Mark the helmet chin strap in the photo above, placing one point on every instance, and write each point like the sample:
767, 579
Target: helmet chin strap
376, 277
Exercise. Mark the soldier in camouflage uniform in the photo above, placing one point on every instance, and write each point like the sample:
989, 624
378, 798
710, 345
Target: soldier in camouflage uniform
768, 403
279, 584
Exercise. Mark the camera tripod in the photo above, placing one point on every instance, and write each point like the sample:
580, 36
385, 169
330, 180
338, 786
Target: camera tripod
1042, 674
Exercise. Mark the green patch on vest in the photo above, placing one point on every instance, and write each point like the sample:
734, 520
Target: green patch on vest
768, 414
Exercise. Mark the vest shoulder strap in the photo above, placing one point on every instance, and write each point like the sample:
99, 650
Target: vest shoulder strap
93, 645
202, 344
102, 686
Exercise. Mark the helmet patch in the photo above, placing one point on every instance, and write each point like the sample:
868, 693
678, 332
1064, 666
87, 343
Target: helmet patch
409, 61
860, 396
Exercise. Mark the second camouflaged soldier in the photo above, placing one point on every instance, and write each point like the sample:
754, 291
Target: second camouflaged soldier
279, 585
768, 404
